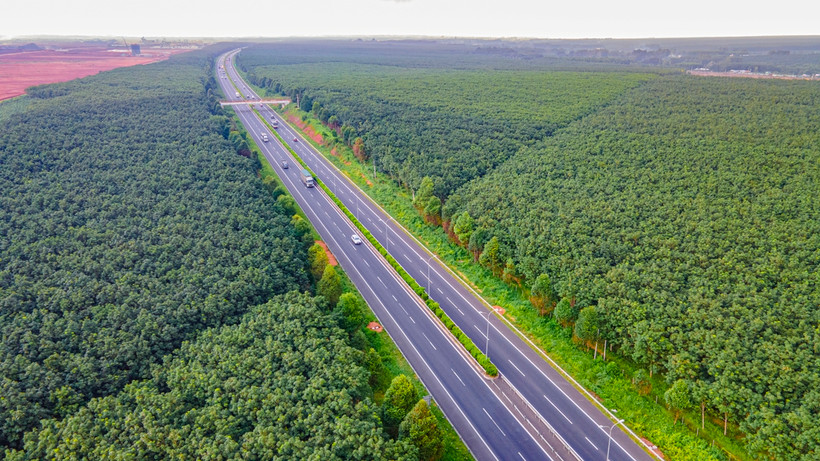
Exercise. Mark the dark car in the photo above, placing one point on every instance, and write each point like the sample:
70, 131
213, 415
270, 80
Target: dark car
284, 165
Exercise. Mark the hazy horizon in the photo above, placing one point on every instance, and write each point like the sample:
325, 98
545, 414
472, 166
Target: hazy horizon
525, 19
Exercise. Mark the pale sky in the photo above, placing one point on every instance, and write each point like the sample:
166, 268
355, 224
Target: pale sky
476, 18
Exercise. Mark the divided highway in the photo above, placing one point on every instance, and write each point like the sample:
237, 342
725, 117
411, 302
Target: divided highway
512, 417
469, 400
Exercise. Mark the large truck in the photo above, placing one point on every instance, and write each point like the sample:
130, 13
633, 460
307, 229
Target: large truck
307, 178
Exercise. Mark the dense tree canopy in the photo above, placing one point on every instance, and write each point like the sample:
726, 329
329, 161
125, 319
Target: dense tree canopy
129, 225
282, 384
676, 215
420, 428
687, 213
418, 117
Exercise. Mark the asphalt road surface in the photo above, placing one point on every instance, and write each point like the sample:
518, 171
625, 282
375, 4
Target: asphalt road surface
513, 417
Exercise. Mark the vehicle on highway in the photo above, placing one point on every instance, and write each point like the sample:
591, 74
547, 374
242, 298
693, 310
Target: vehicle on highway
307, 178
264, 137
295, 140
284, 165
275, 123
356, 239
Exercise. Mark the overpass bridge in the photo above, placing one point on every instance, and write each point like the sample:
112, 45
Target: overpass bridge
282, 102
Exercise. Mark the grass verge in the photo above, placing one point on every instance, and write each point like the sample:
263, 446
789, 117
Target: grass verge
483, 361
610, 381
393, 361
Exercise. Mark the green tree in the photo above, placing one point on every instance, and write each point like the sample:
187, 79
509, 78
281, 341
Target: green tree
542, 295
270, 182
424, 194
303, 230
463, 228
399, 399
432, 211
477, 241
330, 285
421, 429
679, 397
510, 274
349, 312
288, 204
375, 366
587, 325
491, 256
333, 122
318, 260
565, 314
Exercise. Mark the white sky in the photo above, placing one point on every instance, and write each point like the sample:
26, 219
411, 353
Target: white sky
476, 18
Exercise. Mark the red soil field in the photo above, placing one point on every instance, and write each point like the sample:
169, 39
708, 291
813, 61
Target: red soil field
19, 71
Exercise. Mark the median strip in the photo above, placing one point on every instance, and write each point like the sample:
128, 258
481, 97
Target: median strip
465, 340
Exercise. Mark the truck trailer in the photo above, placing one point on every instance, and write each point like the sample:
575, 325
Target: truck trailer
307, 178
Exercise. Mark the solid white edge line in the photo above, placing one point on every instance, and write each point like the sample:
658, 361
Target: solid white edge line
321, 159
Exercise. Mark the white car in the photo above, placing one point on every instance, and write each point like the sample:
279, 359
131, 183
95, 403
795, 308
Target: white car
356, 239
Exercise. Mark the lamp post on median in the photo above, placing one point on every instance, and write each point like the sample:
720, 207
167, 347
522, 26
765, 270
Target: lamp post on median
386, 237
487, 347
609, 443
429, 287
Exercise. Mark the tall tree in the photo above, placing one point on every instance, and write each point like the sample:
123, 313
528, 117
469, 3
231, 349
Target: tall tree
399, 399
421, 429
491, 256
349, 312
330, 285
318, 260
679, 397
565, 314
588, 324
422, 196
463, 228
542, 295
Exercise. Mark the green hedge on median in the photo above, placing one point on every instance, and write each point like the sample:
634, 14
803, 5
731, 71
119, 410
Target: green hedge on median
468, 344
465, 340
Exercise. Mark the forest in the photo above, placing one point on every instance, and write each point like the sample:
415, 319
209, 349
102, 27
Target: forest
672, 218
424, 118
155, 292
685, 216
281, 384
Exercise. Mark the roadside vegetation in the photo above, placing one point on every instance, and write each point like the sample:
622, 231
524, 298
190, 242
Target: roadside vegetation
158, 299
670, 229
452, 126
435, 438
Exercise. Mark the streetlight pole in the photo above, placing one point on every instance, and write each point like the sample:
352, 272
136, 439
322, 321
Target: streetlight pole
609, 443
386, 236
487, 347
429, 287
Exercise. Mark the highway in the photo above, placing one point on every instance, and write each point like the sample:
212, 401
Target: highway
531, 394
470, 401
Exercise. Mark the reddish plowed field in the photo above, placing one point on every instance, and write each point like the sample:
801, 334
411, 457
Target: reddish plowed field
19, 71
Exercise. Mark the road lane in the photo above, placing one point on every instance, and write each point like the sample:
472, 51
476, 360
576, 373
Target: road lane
430, 350
512, 355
